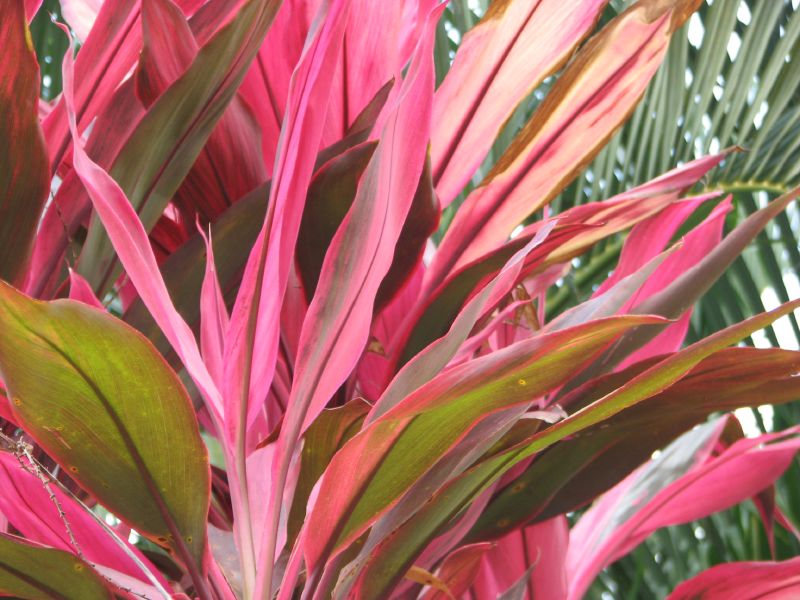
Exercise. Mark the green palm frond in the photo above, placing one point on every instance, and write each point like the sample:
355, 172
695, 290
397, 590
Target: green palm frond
732, 78
729, 80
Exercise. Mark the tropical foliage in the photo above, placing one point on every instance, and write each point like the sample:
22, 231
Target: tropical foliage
352, 299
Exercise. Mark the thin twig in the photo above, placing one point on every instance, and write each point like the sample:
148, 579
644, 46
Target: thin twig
16, 446
24, 450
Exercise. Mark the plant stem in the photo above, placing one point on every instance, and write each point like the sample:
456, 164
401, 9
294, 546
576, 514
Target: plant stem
243, 520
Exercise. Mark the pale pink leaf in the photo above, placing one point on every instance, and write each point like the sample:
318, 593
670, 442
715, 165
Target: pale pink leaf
499, 62
680, 486
79, 289
743, 581
131, 243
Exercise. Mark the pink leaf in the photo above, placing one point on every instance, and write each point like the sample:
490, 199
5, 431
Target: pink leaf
106, 56
130, 240
540, 548
31, 8
591, 98
29, 508
251, 345
266, 86
81, 15
373, 52
427, 364
24, 181
743, 581
499, 62
696, 244
213, 316
371, 472
704, 484
79, 289
458, 571
335, 330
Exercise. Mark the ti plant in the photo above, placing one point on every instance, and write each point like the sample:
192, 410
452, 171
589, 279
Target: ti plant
242, 358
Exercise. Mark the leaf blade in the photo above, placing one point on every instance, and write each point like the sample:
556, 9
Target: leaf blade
63, 364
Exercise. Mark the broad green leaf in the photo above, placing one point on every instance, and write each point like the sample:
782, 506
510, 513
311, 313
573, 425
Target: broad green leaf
101, 401
40, 573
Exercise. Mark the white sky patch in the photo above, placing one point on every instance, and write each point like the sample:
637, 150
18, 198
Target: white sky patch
476, 6
748, 419
743, 13
783, 326
786, 339
696, 30
734, 43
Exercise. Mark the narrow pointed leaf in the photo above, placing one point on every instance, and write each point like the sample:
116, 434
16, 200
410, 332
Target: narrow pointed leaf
739, 472
24, 178
421, 222
572, 472
130, 239
594, 96
432, 317
368, 475
499, 62
743, 581
695, 245
213, 318
459, 492
165, 143
232, 236
435, 357
251, 346
330, 196
458, 571
674, 299
361, 250
108, 53
321, 441
79, 289
535, 553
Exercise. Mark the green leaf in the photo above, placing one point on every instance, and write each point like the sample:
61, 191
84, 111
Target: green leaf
97, 396
330, 196
166, 142
39, 573
329, 432
395, 450
24, 176
575, 471
389, 559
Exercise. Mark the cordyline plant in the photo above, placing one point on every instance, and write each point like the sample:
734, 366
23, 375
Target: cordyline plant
221, 234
